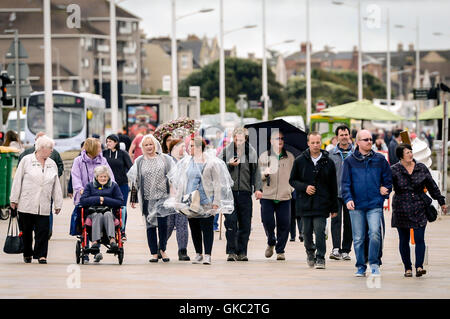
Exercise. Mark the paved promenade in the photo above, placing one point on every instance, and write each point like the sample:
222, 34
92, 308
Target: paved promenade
258, 278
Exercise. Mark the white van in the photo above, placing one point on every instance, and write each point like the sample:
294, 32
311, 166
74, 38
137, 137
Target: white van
11, 123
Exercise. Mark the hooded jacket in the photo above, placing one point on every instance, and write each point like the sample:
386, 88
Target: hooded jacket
362, 177
338, 159
246, 176
83, 172
323, 177
276, 185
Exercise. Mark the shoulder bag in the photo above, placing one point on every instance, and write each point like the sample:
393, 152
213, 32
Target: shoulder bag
14, 241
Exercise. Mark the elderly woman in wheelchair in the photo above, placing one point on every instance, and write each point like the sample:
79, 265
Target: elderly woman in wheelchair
100, 199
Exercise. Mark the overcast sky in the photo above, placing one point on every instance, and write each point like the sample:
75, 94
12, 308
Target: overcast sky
332, 25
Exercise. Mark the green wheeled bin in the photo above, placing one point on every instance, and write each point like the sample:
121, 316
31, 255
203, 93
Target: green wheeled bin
8, 162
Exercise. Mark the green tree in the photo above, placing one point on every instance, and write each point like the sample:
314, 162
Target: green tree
242, 76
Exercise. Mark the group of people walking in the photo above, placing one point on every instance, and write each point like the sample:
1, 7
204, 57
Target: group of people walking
178, 184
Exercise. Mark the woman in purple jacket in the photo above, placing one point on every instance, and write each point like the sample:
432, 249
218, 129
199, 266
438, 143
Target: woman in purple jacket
102, 192
84, 165
83, 173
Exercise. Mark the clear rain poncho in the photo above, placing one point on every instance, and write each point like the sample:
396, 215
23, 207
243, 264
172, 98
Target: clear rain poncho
211, 179
154, 176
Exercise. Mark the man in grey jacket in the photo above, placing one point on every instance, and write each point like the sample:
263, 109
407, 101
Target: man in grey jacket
343, 149
242, 163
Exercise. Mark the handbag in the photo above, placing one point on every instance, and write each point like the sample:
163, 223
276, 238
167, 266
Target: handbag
14, 241
192, 200
431, 213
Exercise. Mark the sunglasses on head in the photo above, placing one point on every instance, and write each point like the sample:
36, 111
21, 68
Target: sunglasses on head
366, 139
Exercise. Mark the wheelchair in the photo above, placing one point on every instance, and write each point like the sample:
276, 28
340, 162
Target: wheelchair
86, 234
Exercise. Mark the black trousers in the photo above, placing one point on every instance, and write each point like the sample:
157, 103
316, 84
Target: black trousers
238, 224
202, 232
336, 229
295, 221
40, 225
316, 225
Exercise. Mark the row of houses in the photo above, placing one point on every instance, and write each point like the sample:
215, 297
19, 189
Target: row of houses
81, 55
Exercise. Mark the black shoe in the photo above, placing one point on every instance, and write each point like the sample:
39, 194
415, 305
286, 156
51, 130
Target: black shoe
182, 255
95, 249
242, 258
27, 260
153, 260
231, 257
420, 272
311, 260
292, 239
42, 261
301, 238
114, 247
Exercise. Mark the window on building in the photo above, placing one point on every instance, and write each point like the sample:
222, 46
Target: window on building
184, 61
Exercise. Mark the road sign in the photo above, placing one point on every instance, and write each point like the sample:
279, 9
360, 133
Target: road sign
11, 52
194, 91
25, 90
166, 83
420, 94
24, 70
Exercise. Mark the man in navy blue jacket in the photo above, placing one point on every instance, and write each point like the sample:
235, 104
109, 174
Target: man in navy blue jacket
366, 183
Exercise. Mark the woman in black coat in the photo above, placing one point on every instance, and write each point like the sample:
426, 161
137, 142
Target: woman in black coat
120, 163
409, 203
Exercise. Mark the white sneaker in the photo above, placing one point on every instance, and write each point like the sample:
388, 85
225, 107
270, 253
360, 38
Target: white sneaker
335, 254
198, 259
346, 256
207, 260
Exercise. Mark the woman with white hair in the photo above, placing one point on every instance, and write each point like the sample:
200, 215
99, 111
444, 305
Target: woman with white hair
35, 184
148, 176
102, 191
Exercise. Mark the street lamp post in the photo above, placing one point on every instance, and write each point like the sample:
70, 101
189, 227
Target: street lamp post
222, 100
174, 53
308, 70
47, 71
113, 63
417, 82
360, 74
265, 97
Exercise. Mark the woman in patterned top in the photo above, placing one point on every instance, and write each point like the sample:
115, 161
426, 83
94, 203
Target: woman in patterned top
148, 175
409, 203
207, 175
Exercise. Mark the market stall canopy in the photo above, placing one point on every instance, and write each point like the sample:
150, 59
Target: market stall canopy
435, 113
361, 110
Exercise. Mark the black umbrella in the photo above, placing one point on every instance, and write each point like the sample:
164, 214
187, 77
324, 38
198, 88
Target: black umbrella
294, 138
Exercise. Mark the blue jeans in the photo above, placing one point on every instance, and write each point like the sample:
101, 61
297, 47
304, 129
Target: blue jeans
125, 190
361, 219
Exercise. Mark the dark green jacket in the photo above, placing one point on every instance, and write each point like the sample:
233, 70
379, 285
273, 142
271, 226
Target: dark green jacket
54, 156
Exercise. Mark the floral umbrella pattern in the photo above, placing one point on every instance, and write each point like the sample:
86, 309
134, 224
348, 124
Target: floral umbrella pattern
177, 128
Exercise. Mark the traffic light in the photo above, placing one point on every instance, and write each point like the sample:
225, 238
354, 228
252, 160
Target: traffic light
261, 104
5, 81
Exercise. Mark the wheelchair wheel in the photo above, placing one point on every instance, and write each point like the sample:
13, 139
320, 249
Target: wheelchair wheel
120, 255
78, 252
4, 213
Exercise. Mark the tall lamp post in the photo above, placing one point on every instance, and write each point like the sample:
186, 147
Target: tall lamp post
222, 63
417, 82
48, 71
360, 81
265, 87
388, 57
174, 53
308, 70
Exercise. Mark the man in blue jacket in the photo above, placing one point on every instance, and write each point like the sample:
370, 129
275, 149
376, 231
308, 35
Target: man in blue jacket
366, 183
